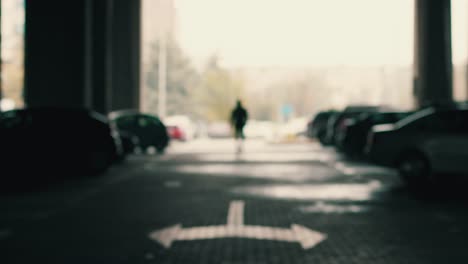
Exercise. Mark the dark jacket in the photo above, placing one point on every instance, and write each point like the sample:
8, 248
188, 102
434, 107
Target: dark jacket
239, 117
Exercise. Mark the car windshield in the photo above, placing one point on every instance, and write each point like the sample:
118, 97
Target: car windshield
382, 118
125, 121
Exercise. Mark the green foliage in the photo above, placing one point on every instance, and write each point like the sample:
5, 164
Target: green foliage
209, 96
217, 92
181, 79
306, 94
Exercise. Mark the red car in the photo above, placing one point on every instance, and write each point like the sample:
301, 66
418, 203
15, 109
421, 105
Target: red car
176, 133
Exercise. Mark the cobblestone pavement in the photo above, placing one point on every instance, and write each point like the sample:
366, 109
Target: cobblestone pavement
202, 203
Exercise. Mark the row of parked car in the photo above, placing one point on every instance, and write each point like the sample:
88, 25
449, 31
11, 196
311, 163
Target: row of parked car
51, 141
422, 145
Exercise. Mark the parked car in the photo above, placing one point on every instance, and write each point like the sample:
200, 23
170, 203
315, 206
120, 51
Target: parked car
130, 142
47, 141
180, 127
355, 130
176, 133
317, 128
149, 129
336, 124
329, 129
423, 145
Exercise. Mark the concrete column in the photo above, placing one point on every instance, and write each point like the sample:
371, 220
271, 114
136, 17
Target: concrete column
82, 53
101, 50
126, 54
55, 52
432, 53
1, 61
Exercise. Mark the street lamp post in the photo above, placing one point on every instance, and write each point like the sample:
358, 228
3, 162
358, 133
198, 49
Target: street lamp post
162, 77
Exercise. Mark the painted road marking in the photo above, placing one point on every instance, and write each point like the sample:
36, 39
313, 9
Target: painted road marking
235, 228
236, 213
343, 168
172, 184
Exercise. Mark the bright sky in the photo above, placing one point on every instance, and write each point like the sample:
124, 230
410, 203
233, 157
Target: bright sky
305, 32
459, 31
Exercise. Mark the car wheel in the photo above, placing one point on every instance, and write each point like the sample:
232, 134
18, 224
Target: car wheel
120, 158
414, 169
322, 137
160, 150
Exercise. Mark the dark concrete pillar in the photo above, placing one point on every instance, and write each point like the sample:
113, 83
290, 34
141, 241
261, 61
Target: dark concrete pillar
55, 54
1, 61
126, 54
83, 53
466, 82
432, 53
100, 68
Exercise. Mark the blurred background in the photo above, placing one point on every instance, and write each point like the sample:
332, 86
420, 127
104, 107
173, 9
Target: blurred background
357, 121
285, 59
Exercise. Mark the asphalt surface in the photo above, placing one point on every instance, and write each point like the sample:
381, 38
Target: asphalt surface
203, 203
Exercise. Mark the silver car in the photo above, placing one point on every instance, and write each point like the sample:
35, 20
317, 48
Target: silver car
423, 145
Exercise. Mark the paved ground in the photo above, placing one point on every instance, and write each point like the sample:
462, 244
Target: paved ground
273, 203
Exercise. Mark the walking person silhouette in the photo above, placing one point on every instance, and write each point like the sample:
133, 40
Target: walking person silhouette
239, 118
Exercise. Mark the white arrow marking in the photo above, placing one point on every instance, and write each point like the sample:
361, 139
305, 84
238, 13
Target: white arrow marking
236, 213
236, 229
